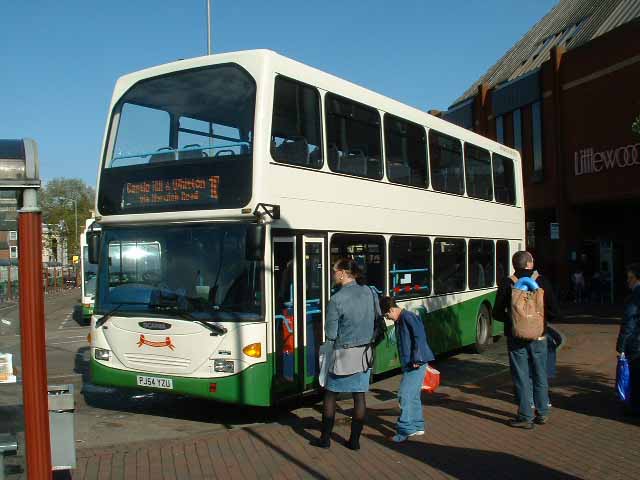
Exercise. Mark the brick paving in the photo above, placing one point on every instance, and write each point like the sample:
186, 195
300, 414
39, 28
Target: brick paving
467, 438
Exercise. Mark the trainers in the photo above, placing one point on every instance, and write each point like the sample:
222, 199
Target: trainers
399, 438
541, 419
417, 433
519, 423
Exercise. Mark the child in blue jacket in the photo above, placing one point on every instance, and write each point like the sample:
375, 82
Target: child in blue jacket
414, 354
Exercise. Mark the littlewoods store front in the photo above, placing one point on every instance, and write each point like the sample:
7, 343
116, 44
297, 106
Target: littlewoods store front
603, 186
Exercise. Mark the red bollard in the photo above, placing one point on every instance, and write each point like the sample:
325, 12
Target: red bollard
34, 360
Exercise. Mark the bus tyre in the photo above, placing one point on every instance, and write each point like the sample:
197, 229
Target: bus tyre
483, 330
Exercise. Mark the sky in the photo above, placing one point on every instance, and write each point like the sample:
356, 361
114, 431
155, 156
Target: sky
60, 59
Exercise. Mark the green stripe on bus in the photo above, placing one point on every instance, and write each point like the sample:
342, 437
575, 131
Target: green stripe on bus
252, 386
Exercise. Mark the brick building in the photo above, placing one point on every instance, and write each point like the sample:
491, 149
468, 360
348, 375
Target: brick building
566, 96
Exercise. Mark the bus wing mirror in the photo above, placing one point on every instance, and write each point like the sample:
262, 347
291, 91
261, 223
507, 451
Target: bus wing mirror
93, 245
254, 241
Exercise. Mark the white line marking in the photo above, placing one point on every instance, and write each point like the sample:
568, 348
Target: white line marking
64, 343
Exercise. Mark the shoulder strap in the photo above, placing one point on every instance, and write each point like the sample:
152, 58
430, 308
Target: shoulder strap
514, 279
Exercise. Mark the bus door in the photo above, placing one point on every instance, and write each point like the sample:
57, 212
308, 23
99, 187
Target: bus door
313, 307
298, 299
284, 314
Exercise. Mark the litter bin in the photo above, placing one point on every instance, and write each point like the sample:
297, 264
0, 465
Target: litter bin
61, 427
8, 446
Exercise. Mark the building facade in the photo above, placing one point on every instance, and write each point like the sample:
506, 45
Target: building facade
566, 96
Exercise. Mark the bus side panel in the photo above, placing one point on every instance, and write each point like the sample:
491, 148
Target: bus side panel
454, 327
386, 357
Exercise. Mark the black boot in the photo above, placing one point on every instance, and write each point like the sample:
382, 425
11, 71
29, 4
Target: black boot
325, 438
354, 439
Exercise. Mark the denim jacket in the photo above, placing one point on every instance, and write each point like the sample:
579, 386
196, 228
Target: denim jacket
629, 336
350, 316
412, 341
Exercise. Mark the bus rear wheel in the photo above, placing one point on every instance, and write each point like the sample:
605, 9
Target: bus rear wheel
483, 330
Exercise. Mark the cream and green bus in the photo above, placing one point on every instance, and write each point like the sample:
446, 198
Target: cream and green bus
229, 184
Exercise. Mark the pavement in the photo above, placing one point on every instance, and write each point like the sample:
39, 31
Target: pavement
588, 437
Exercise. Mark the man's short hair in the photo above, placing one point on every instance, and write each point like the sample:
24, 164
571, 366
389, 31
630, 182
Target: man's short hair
520, 259
386, 304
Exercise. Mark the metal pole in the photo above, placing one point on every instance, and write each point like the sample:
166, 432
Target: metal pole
75, 211
208, 27
34, 360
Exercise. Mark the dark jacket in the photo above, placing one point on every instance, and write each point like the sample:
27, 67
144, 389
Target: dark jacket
412, 341
629, 336
502, 306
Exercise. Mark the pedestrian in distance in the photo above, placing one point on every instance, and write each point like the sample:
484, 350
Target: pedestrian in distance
629, 335
525, 314
415, 354
349, 326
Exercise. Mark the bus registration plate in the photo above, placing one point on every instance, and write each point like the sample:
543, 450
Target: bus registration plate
155, 382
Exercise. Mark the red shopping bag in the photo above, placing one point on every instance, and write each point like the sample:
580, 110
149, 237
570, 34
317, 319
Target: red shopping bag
431, 380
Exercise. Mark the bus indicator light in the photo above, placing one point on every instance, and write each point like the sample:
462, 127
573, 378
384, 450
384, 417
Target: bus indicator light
254, 350
213, 387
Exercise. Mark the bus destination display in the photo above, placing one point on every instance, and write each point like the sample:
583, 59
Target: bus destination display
171, 191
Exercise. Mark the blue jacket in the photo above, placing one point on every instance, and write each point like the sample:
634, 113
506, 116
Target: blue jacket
350, 316
629, 336
412, 341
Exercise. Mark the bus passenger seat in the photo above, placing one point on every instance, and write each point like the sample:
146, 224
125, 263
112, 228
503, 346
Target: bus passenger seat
165, 154
399, 172
293, 151
186, 154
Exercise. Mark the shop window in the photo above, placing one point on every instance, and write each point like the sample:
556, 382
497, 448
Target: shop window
449, 265
295, 129
503, 260
445, 157
405, 152
504, 179
367, 251
409, 267
353, 138
538, 167
481, 261
517, 130
500, 129
477, 165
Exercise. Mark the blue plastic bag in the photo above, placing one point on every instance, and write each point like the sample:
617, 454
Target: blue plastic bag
623, 379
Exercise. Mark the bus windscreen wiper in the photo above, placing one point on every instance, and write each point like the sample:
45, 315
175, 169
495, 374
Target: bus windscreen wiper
213, 327
107, 315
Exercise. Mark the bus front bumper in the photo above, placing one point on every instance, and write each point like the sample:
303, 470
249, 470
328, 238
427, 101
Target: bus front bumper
252, 386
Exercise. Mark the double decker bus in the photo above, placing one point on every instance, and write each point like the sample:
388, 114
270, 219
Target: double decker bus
89, 272
228, 186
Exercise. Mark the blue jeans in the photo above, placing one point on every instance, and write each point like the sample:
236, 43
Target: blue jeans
411, 419
528, 362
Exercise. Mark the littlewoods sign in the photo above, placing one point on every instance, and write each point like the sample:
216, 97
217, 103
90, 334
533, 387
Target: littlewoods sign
589, 161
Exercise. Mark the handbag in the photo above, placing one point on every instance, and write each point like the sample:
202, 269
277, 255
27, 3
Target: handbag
325, 359
431, 380
623, 379
379, 325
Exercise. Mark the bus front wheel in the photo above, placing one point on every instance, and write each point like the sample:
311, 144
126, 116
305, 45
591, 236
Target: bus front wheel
483, 330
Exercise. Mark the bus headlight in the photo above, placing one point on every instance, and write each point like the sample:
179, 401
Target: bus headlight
254, 350
223, 366
102, 354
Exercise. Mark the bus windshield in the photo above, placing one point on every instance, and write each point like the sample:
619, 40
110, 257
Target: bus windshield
200, 271
182, 140
90, 271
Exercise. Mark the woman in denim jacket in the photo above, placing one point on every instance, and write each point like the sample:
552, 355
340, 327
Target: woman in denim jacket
349, 326
629, 336
414, 354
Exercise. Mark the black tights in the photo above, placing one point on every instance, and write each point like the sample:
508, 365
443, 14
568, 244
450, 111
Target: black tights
359, 405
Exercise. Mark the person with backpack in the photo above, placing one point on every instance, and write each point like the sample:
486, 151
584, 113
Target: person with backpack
525, 302
415, 353
628, 342
349, 326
